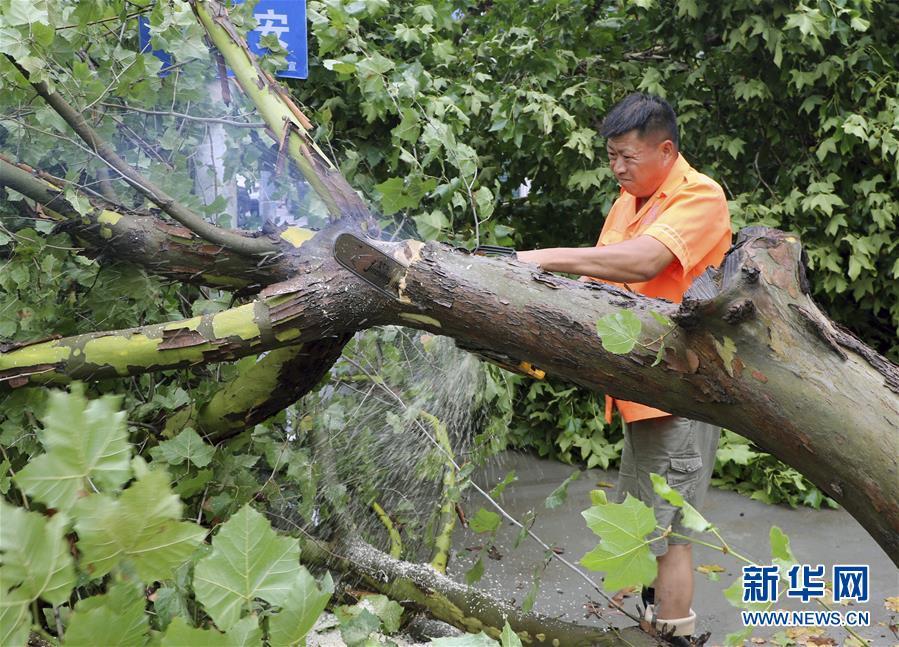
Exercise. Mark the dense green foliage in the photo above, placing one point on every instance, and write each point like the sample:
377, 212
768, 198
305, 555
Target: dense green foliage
128, 523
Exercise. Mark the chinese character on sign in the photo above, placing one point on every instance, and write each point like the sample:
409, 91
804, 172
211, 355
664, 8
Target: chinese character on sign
272, 23
806, 582
760, 583
850, 582
286, 19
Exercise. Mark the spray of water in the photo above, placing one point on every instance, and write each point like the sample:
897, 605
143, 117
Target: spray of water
375, 450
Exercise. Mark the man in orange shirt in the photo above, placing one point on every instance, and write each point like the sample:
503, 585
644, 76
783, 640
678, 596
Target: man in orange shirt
668, 225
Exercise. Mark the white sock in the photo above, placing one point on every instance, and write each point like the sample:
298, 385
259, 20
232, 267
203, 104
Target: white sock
682, 626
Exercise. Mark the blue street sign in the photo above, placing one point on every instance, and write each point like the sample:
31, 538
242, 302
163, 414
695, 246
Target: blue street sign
286, 19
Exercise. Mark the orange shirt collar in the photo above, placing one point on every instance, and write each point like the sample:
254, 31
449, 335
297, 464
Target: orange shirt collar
675, 176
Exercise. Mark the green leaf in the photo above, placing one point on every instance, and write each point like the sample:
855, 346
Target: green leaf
409, 128
500, 487
398, 194
246, 633
142, 526
509, 638
15, 618
856, 125
484, 521
248, 561
690, 515
527, 604
115, 618
80, 203
735, 146
738, 638
781, 553
581, 140
483, 197
25, 12
180, 634
660, 354
737, 453
356, 629
557, 497
168, 603
662, 319
389, 611
87, 448
619, 331
35, 558
304, 604
475, 573
859, 24
734, 595
186, 446
431, 225
623, 553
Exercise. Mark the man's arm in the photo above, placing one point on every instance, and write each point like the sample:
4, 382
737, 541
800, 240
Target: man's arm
630, 261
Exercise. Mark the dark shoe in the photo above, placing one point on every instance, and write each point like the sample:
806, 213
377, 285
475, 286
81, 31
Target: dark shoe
648, 595
688, 641
679, 641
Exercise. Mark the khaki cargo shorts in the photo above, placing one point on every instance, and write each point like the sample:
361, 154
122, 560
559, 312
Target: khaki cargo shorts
681, 450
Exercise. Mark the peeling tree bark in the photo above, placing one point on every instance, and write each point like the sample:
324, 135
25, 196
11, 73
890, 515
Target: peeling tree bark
750, 350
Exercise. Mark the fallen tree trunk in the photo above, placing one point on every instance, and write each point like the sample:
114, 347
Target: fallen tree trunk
457, 604
749, 349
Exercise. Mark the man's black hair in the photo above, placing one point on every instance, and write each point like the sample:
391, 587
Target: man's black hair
645, 113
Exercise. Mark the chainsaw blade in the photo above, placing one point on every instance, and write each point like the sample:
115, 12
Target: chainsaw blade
369, 263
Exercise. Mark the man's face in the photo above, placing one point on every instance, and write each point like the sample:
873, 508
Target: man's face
640, 164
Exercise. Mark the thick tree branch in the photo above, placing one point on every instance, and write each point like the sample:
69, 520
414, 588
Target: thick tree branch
462, 606
273, 383
160, 247
192, 221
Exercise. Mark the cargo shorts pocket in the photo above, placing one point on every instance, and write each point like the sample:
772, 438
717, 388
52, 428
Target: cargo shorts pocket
683, 475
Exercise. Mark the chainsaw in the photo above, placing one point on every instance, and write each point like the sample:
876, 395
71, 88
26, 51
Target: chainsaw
384, 274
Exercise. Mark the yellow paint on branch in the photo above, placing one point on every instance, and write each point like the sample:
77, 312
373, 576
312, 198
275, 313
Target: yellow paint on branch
253, 386
236, 322
49, 352
126, 351
121, 351
726, 351
422, 319
219, 279
186, 324
396, 542
287, 335
296, 236
109, 217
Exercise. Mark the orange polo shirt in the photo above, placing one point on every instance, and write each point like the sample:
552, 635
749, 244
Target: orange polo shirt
688, 214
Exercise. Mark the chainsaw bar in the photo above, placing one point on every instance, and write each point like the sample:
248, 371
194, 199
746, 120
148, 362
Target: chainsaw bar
493, 250
369, 263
